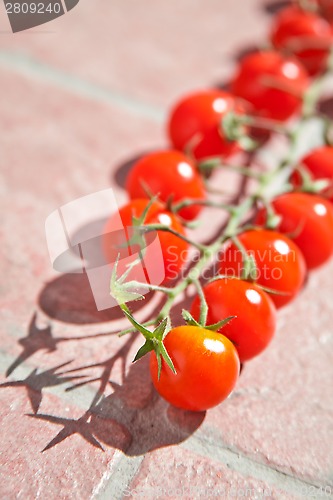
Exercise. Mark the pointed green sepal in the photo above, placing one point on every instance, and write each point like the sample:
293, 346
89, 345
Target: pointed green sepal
161, 352
148, 346
139, 221
219, 324
189, 318
222, 277
159, 364
147, 190
167, 359
120, 291
272, 291
148, 335
162, 329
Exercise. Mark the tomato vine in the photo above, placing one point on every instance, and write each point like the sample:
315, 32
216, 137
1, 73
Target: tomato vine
177, 180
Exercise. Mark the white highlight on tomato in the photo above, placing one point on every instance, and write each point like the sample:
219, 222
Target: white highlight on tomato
220, 105
253, 296
281, 247
214, 345
290, 70
164, 219
185, 170
320, 209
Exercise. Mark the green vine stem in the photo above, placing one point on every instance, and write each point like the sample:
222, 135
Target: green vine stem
269, 184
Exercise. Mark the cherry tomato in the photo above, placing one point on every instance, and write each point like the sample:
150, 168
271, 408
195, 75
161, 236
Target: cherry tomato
167, 174
272, 83
280, 265
255, 322
319, 164
308, 219
195, 122
207, 366
174, 250
304, 34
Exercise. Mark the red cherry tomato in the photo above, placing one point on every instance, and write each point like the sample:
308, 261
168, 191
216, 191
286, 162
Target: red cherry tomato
167, 174
280, 265
195, 122
304, 34
174, 250
272, 83
308, 219
255, 322
319, 164
207, 366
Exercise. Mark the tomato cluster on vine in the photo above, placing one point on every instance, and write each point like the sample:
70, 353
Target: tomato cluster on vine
261, 266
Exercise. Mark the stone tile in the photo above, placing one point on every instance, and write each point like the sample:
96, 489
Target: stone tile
177, 473
72, 468
80, 98
151, 52
55, 148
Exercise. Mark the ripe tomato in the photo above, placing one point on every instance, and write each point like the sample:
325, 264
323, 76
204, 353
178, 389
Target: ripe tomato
319, 164
174, 250
255, 322
196, 121
272, 83
207, 366
304, 34
167, 174
280, 264
308, 219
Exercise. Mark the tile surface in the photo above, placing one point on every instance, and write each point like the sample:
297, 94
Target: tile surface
80, 99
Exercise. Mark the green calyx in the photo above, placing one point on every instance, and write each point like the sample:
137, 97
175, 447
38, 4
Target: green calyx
233, 127
309, 185
214, 327
124, 291
154, 341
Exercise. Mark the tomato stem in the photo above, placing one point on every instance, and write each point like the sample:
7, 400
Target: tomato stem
162, 227
270, 183
207, 203
216, 163
203, 303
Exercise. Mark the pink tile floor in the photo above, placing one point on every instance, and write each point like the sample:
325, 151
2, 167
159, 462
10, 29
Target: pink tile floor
79, 98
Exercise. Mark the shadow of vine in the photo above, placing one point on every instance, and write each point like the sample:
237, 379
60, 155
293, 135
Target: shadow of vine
133, 418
